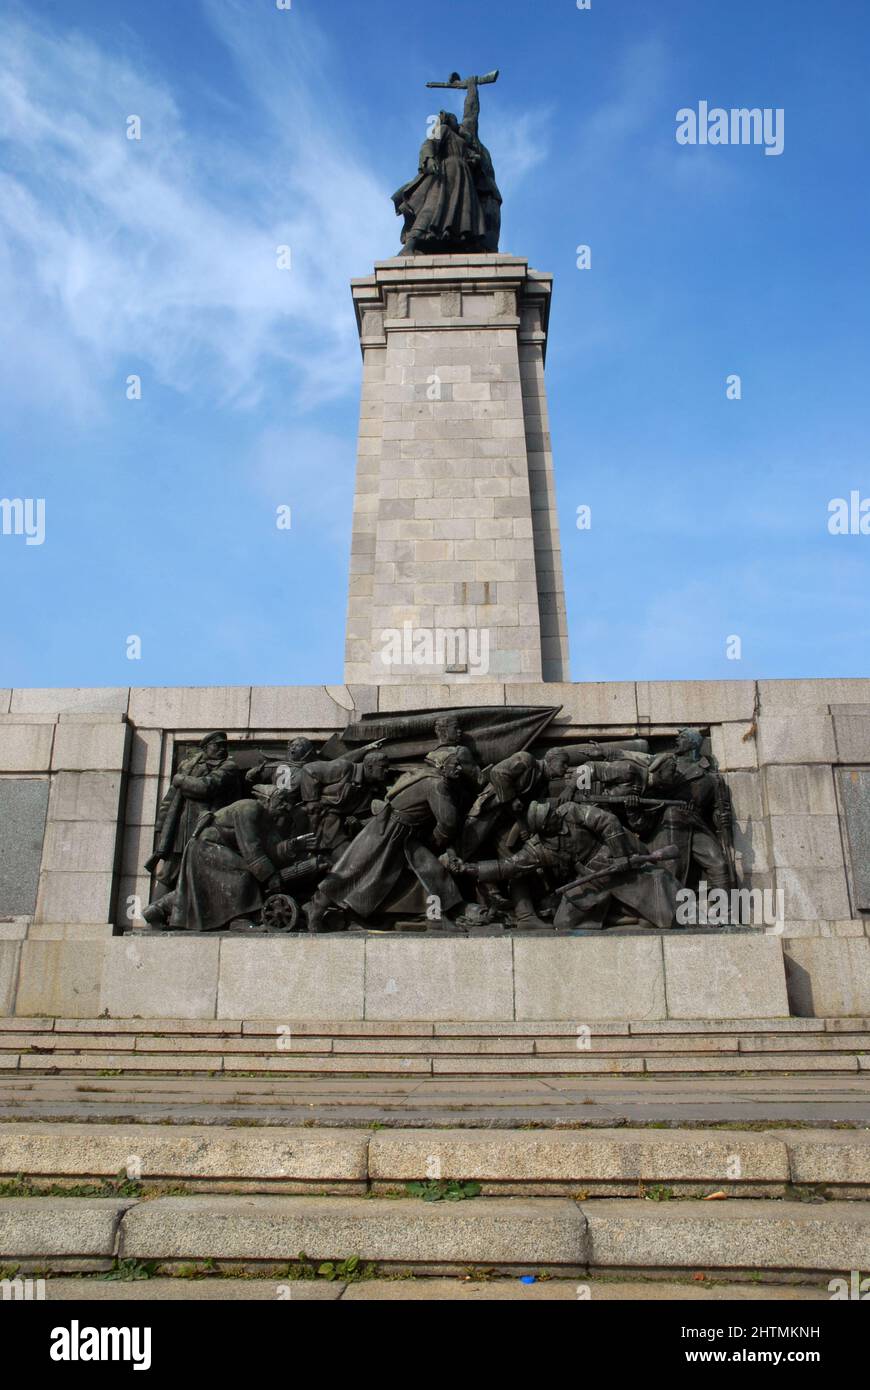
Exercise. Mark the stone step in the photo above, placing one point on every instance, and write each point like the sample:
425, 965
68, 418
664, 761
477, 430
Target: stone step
333, 1160
390, 1029
468, 1066
425, 1290
677, 1099
496, 1045
503, 1234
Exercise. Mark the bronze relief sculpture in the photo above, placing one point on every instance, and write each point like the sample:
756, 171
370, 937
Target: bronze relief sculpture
445, 820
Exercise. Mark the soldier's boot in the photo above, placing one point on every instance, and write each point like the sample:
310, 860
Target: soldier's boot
448, 921
157, 913
315, 910
525, 917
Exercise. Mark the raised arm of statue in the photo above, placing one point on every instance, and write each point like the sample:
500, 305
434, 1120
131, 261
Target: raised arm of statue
471, 114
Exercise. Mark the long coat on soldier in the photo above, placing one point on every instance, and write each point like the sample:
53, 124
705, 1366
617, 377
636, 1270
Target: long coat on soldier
200, 784
230, 858
394, 845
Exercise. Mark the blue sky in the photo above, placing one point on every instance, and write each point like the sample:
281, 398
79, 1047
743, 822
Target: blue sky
263, 127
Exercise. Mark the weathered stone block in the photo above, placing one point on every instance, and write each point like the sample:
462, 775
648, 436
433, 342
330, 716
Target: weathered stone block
568, 1156
750, 848
166, 977
142, 800
80, 700
395, 698
541, 1232
66, 896
594, 703
852, 732
854, 787
746, 796
829, 978
795, 791
828, 1158
146, 747
23, 804
60, 978
85, 796
25, 747
734, 746
582, 979
789, 696
452, 978
729, 976
310, 706
90, 747
814, 894
55, 1228
294, 977
201, 1152
70, 931
728, 1235
799, 737
695, 702
10, 952
79, 846
200, 708
806, 841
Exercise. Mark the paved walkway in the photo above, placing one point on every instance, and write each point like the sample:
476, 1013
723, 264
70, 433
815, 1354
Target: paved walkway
424, 1102
424, 1290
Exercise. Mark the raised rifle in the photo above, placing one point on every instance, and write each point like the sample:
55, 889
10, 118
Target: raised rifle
724, 818
617, 799
635, 861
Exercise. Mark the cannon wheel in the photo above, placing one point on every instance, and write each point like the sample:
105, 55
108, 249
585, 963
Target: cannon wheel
280, 912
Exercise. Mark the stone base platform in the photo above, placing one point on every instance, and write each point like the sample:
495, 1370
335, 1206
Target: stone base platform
82, 773
577, 980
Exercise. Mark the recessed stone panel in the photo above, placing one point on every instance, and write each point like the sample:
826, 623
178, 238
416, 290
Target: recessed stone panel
23, 806
854, 787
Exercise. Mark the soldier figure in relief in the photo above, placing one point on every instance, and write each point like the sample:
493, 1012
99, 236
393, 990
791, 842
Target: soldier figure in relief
206, 781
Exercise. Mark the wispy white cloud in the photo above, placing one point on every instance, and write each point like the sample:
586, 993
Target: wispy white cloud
117, 254
518, 144
163, 250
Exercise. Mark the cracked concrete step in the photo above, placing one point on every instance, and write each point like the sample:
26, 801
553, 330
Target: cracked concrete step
524, 1162
60, 1233
512, 1234
423, 1290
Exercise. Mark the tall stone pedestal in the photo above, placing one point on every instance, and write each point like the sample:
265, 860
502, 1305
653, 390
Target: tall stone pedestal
455, 565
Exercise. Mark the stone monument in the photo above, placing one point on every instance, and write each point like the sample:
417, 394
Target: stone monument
243, 852
456, 571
